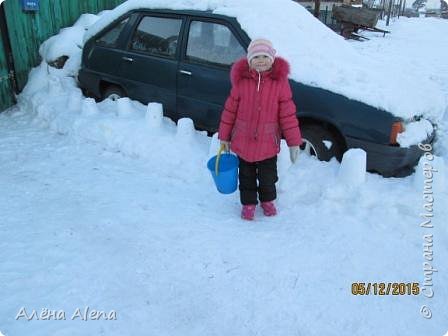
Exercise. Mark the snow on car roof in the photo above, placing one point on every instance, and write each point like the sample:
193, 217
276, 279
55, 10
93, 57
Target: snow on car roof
318, 56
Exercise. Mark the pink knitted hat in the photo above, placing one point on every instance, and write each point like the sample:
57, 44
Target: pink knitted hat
260, 47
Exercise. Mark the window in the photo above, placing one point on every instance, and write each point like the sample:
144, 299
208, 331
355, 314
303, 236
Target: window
157, 36
213, 43
110, 38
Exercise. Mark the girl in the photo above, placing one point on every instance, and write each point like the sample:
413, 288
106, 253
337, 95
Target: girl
257, 112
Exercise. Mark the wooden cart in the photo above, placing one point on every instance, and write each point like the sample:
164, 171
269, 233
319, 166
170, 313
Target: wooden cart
353, 19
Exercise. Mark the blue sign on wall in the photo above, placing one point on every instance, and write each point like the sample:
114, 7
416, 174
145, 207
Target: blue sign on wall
30, 5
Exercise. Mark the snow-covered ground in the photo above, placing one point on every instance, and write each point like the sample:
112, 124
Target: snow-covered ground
105, 206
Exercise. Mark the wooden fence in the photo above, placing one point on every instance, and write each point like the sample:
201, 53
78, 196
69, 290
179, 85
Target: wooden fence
24, 31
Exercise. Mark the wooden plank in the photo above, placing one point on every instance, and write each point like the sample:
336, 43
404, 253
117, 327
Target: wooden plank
20, 34
6, 98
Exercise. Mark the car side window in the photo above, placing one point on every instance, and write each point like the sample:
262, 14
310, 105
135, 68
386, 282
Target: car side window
213, 43
157, 36
110, 38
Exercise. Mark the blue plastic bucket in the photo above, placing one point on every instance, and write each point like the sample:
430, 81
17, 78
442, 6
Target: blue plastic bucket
226, 180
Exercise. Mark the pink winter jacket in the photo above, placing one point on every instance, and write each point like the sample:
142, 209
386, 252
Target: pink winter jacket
258, 111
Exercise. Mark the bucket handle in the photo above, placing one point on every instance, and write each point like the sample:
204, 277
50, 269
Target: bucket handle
218, 157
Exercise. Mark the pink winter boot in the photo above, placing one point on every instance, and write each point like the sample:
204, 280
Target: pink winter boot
269, 208
248, 212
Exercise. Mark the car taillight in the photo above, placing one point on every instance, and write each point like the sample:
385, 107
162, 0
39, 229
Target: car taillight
397, 127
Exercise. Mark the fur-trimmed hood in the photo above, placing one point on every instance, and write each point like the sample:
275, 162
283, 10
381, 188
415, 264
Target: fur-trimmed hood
241, 69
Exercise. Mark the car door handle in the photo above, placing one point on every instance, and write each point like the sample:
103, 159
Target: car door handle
127, 59
185, 72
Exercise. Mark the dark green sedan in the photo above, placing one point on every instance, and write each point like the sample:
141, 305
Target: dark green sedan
182, 59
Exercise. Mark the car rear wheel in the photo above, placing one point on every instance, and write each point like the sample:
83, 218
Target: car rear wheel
320, 142
113, 92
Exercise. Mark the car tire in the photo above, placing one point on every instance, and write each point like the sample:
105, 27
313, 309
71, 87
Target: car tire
320, 142
113, 92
